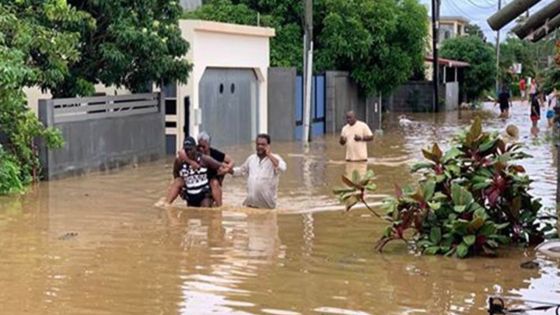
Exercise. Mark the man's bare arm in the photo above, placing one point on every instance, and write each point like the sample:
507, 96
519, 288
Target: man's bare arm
364, 138
210, 162
368, 138
227, 166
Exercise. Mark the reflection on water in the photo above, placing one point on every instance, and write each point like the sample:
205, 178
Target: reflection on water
124, 256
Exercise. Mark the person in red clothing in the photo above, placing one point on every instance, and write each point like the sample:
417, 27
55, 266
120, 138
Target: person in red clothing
522, 88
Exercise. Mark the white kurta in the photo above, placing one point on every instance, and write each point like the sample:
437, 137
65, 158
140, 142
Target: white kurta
262, 180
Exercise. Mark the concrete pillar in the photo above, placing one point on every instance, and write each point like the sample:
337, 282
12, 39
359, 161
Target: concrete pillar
509, 13
546, 29
537, 20
46, 116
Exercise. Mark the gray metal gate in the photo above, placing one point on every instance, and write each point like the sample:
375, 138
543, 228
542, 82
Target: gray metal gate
229, 102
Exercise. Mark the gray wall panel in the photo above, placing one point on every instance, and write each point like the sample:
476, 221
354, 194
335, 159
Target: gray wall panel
228, 105
281, 103
101, 143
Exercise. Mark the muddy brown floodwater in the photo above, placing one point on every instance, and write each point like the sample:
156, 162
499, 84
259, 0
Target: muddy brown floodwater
96, 245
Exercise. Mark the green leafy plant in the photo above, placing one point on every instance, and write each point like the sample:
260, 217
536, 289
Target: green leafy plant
10, 181
355, 190
481, 73
32, 52
468, 201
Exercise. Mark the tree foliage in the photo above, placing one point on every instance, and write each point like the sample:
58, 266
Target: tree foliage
35, 49
532, 56
552, 74
475, 30
481, 74
67, 46
130, 43
381, 43
514, 50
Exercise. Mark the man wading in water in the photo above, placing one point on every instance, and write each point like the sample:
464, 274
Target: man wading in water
355, 136
191, 177
263, 172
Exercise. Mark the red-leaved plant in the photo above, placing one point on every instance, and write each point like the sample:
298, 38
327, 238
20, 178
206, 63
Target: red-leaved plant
468, 201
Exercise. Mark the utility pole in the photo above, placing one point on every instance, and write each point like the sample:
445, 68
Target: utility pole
512, 10
435, 64
498, 53
307, 69
537, 20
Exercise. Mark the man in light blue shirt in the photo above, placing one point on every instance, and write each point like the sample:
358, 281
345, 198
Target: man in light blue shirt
262, 170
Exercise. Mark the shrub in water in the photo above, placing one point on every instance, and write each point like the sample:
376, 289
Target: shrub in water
10, 171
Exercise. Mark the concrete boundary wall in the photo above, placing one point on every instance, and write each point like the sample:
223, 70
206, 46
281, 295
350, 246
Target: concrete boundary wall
417, 96
101, 133
342, 96
282, 103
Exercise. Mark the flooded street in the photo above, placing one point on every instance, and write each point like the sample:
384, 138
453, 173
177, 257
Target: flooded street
97, 245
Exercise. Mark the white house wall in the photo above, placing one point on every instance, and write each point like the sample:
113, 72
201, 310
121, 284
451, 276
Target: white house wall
221, 45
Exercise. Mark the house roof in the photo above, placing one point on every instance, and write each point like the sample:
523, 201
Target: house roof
228, 28
449, 18
453, 19
449, 62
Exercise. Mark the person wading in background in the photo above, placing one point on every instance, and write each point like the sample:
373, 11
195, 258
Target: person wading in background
355, 135
504, 99
552, 102
522, 89
535, 113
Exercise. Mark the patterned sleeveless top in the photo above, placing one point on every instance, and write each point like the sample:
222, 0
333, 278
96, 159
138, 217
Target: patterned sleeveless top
196, 181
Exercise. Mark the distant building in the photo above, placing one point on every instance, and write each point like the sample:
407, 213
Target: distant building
451, 27
451, 72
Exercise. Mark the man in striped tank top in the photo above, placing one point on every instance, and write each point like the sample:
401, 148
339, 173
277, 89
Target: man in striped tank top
192, 181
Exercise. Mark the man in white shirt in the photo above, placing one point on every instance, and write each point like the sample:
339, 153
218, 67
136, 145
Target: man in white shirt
355, 135
263, 172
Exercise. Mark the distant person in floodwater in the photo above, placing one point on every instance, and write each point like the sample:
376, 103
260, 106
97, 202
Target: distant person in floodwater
522, 88
262, 170
355, 135
504, 99
533, 89
552, 101
535, 109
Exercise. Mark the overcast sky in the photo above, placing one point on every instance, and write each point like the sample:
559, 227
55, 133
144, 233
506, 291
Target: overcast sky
477, 11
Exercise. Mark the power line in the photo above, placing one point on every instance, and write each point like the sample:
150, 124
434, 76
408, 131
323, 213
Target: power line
491, 6
459, 10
